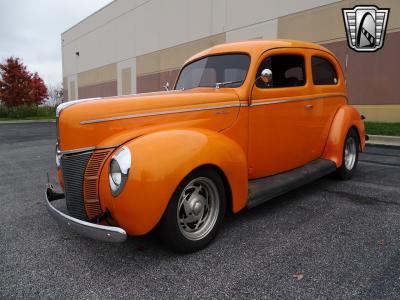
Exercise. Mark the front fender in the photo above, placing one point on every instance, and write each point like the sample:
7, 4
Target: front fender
346, 117
160, 161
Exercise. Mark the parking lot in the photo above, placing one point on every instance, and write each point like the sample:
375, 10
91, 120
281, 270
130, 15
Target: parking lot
329, 239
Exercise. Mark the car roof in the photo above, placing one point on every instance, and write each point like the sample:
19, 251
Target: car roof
257, 47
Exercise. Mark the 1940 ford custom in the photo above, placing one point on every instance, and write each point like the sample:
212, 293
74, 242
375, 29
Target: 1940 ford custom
245, 122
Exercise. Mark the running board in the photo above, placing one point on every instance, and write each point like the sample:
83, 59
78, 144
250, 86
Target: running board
264, 189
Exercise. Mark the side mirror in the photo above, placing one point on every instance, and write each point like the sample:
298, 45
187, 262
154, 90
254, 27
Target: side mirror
166, 86
266, 76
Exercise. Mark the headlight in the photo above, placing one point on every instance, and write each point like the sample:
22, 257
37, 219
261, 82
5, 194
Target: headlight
120, 165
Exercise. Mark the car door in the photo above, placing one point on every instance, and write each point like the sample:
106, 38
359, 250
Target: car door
280, 115
329, 93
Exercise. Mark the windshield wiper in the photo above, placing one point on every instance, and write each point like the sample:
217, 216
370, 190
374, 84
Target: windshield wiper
219, 84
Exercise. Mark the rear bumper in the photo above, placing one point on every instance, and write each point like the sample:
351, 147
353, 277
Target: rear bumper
91, 230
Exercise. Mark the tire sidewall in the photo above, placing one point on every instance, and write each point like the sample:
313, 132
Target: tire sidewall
343, 172
169, 227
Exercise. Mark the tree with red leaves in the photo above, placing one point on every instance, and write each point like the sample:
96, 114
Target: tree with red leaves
38, 90
18, 86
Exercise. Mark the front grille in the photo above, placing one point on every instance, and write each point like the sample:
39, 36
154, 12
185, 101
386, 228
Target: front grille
81, 174
73, 168
91, 183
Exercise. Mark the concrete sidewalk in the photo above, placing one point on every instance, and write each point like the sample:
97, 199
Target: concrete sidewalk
385, 140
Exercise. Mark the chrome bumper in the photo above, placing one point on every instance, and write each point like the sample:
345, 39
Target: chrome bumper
91, 230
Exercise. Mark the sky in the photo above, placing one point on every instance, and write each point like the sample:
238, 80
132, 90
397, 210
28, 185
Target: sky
31, 30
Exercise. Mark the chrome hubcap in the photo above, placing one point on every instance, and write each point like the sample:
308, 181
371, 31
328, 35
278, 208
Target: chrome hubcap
350, 153
198, 208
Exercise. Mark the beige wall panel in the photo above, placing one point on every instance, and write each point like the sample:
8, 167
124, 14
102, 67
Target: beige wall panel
321, 24
99, 75
394, 16
126, 81
380, 113
325, 24
173, 58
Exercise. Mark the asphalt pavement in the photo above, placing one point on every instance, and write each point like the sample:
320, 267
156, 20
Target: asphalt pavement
330, 239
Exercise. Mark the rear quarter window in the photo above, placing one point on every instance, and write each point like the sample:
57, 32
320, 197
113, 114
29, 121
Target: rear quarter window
323, 71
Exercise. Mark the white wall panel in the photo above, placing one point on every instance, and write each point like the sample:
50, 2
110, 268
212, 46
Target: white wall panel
266, 30
103, 16
241, 13
218, 16
128, 28
73, 95
130, 63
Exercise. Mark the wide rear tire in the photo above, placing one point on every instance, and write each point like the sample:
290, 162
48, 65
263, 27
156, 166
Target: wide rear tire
195, 211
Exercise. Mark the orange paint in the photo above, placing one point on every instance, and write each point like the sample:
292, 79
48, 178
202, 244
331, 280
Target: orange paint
244, 132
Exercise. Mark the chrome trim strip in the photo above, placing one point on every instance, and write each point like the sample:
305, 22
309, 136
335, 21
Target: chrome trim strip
94, 231
157, 113
272, 101
281, 101
307, 98
87, 149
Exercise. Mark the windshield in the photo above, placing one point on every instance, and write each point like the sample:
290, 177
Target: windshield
227, 70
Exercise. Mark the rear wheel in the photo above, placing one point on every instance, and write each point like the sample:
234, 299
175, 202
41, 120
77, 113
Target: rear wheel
195, 211
350, 156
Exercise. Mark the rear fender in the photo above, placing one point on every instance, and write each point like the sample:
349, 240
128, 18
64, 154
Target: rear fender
346, 117
160, 161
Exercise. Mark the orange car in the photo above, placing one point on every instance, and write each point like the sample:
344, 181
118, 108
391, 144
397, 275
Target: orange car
246, 122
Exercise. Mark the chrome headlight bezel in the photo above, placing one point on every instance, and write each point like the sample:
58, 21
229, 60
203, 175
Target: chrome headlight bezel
58, 156
120, 165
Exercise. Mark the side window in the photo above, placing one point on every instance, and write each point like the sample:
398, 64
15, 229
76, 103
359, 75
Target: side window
322, 71
287, 71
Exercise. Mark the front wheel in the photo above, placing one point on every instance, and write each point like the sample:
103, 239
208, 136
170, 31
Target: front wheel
195, 211
350, 156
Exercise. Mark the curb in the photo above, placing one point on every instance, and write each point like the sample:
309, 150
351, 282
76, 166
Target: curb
27, 121
384, 140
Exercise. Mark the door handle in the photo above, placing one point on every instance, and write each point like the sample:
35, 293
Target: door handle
309, 106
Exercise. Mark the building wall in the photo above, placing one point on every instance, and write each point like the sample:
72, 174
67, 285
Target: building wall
372, 78
137, 46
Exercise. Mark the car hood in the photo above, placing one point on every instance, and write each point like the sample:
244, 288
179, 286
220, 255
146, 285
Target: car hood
106, 122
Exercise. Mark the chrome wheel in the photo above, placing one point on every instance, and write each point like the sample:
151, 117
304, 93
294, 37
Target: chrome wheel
198, 208
350, 153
